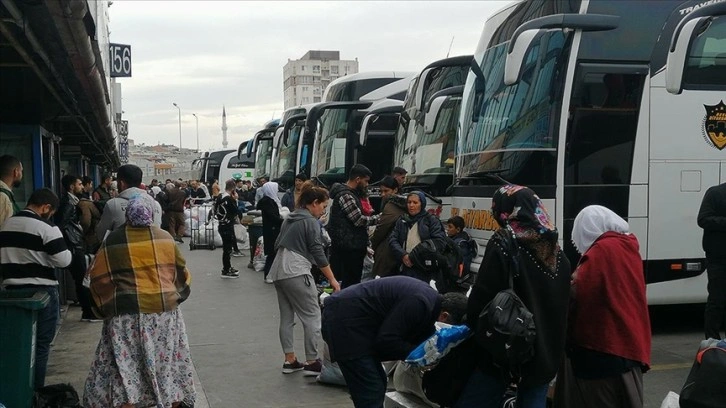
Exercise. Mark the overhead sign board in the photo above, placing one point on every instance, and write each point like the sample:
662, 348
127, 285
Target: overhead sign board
120, 58
123, 129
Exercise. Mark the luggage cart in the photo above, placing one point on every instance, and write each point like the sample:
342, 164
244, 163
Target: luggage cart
202, 233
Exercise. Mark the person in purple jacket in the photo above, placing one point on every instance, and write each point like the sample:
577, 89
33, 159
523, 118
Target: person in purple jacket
381, 320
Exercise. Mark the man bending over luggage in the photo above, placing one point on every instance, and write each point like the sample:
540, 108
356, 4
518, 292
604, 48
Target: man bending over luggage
381, 320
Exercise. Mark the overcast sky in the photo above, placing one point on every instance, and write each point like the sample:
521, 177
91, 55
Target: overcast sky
206, 54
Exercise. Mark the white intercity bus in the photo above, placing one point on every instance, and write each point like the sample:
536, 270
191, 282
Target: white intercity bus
425, 148
618, 103
260, 149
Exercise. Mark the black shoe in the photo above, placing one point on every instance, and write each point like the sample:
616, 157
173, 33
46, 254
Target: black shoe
230, 274
250, 266
179, 239
234, 270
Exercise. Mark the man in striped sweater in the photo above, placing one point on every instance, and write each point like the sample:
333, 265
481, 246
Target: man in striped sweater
30, 249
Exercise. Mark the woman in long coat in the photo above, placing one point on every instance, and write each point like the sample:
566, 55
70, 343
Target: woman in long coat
394, 206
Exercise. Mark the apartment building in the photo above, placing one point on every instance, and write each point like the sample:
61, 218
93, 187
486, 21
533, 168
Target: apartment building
305, 79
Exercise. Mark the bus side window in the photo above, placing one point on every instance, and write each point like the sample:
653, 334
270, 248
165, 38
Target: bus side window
706, 64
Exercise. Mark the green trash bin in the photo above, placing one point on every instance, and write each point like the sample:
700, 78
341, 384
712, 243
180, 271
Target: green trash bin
18, 324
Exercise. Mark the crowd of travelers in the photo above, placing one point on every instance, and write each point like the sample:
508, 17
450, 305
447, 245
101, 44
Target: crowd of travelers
592, 324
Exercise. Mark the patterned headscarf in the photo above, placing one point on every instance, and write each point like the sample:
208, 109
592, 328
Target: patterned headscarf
519, 208
416, 217
140, 211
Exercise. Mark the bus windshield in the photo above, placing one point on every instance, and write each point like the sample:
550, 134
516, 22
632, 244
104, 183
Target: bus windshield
429, 156
512, 130
263, 161
330, 158
287, 157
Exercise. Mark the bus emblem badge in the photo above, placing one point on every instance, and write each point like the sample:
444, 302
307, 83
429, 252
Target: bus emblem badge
714, 125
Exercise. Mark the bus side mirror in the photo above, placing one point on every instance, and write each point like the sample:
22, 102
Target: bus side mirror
527, 32
681, 41
515, 58
432, 115
368, 121
678, 54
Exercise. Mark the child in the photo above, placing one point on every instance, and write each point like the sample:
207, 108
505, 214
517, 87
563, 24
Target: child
455, 230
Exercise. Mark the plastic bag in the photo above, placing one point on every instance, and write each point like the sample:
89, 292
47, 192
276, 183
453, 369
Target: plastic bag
258, 262
330, 373
670, 401
438, 345
367, 273
240, 232
407, 379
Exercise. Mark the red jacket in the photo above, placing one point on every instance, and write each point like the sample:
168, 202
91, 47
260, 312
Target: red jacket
609, 309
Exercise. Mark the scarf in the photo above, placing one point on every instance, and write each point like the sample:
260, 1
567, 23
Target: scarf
412, 219
138, 270
270, 189
592, 222
73, 199
519, 208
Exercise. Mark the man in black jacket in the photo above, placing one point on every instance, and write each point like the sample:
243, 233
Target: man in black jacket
225, 212
348, 227
712, 218
67, 219
382, 320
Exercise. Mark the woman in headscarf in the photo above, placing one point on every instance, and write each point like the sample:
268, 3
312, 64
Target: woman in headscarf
394, 206
270, 206
609, 331
414, 227
138, 280
542, 281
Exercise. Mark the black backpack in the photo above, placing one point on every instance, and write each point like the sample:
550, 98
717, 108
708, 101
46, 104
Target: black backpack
506, 327
442, 261
56, 396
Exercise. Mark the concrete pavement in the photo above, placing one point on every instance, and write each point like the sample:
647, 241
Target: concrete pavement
233, 324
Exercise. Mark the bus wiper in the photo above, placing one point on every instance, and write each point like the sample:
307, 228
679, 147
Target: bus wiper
487, 175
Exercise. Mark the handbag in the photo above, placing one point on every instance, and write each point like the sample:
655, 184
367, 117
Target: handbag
704, 387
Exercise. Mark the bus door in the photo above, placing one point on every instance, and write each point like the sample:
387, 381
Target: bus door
602, 129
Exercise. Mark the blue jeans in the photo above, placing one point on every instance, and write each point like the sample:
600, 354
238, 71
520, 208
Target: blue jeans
366, 381
486, 391
47, 320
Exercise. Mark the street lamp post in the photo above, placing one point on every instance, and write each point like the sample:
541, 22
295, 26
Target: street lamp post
180, 139
197, 118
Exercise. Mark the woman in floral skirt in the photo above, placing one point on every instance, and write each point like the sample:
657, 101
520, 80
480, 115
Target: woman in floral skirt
143, 356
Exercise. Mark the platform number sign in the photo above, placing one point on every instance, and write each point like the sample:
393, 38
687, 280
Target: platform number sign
120, 60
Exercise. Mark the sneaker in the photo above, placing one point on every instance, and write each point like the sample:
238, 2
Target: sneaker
288, 368
237, 254
229, 274
233, 270
313, 368
268, 280
250, 266
90, 319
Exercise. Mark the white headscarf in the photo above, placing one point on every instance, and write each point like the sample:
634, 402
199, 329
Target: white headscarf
270, 189
592, 222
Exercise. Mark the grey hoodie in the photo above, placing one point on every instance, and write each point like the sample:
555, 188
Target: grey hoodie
302, 234
114, 213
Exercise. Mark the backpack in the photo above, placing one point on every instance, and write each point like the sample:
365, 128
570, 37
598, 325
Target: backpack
442, 261
506, 328
56, 396
219, 211
704, 387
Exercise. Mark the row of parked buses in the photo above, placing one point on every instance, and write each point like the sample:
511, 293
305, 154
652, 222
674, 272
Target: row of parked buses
584, 101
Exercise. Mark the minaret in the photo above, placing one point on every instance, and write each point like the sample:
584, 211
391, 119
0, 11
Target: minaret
224, 128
